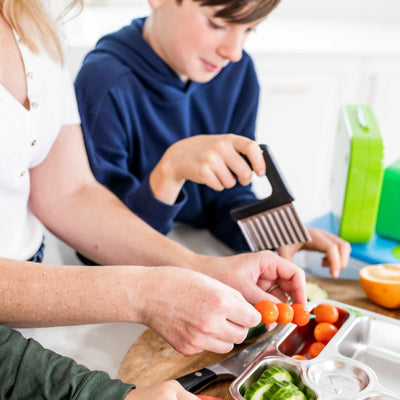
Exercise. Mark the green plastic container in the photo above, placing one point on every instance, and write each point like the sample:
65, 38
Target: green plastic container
388, 222
357, 173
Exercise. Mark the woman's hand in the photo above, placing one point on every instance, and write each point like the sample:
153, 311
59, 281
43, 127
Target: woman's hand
337, 251
193, 312
212, 160
168, 390
258, 276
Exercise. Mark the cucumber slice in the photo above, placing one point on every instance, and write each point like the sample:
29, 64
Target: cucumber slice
284, 391
315, 292
291, 395
278, 389
258, 388
278, 374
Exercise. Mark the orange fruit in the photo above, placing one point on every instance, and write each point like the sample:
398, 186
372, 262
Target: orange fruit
381, 283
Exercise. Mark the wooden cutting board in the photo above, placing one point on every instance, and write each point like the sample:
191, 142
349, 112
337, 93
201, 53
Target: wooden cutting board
151, 360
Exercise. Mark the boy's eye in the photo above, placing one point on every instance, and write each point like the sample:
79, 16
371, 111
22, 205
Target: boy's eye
214, 25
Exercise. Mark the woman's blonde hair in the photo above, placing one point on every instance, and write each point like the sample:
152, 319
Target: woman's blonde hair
34, 25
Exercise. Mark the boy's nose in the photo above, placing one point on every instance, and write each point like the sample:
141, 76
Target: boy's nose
231, 49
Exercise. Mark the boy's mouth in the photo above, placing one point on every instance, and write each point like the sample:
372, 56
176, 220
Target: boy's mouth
211, 67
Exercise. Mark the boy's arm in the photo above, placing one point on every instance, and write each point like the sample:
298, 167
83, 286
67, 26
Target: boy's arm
108, 125
28, 371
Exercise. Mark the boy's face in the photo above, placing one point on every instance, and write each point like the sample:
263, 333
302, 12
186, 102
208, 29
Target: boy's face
192, 41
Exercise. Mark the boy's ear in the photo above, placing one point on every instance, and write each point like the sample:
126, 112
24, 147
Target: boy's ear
154, 4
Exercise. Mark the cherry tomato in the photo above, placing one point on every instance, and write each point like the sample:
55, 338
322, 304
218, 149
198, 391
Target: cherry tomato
206, 397
269, 311
285, 313
315, 348
324, 331
299, 357
301, 315
326, 313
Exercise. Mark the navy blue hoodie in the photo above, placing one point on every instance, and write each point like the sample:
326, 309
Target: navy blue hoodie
133, 106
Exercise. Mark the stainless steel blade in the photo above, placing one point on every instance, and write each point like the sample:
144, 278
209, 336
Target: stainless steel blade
231, 367
226, 369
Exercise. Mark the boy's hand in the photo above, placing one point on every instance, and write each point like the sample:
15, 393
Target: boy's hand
168, 390
212, 160
337, 251
192, 311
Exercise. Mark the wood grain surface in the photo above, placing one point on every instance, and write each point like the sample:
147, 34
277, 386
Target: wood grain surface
151, 360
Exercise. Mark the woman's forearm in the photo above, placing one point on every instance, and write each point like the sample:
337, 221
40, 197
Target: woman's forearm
45, 295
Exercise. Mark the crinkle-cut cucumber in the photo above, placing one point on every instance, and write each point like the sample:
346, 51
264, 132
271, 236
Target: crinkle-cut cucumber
257, 388
283, 391
315, 292
278, 374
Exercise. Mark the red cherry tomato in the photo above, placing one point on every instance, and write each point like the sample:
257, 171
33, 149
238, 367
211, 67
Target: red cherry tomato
315, 348
268, 310
299, 357
206, 397
285, 313
326, 313
301, 315
324, 332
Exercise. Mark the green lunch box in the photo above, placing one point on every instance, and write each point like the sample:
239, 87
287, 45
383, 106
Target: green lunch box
357, 173
388, 222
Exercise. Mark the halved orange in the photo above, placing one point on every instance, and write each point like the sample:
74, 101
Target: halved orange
381, 283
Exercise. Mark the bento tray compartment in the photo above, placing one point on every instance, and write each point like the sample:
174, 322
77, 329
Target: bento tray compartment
339, 377
269, 362
376, 343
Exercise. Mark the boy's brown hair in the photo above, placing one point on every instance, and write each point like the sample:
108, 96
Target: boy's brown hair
240, 11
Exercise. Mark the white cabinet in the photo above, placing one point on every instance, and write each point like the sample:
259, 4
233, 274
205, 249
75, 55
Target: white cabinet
384, 96
299, 105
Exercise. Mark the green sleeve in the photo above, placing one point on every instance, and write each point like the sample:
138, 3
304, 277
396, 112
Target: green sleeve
28, 371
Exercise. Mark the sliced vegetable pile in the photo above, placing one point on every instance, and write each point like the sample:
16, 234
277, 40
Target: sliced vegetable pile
275, 383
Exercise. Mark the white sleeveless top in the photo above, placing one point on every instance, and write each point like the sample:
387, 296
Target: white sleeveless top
26, 139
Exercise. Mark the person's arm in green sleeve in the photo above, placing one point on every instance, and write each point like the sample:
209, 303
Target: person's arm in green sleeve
28, 371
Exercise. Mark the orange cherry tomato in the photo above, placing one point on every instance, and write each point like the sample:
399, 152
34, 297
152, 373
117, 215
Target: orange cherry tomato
285, 313
326, 313
268, 310
324, 332
315, 348
299, 357
301, 315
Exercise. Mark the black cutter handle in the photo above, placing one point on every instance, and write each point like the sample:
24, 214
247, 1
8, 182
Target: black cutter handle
281, 194
280, 188
198, 380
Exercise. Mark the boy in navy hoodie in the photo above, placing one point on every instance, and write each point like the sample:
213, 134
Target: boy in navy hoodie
168, 105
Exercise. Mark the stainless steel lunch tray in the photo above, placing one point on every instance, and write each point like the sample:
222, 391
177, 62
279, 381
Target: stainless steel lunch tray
361, 362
